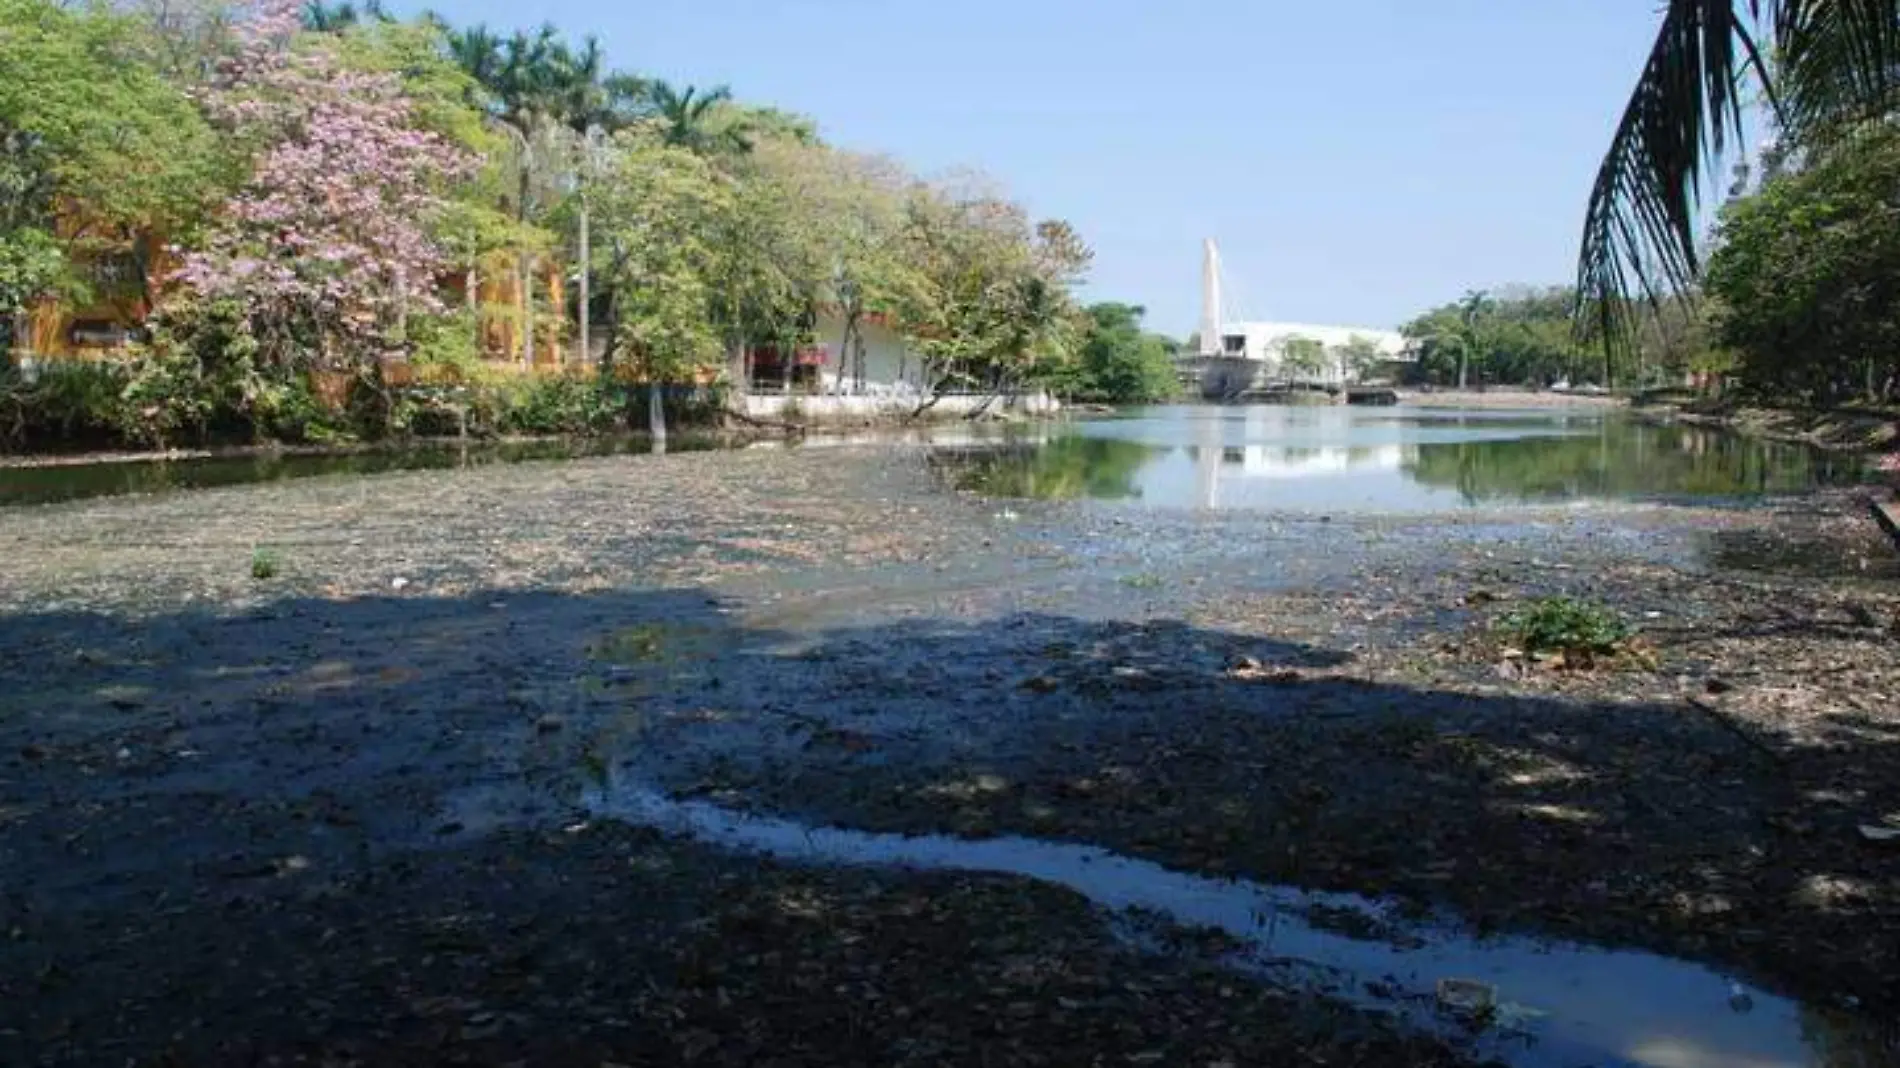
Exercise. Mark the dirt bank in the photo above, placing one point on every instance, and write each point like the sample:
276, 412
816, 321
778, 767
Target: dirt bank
1846, 429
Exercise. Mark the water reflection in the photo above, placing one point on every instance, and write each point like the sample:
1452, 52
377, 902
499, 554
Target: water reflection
1345, 458
65, 482
1064, 468
1557, 1004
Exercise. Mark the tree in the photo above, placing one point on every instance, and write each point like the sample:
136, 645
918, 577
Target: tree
661, 207
775, 251
1806, 274
995, 309
1303, 358
1360, 356
698, 120
322, 17
1836, 61
327, 247
1119, 363
529, 81
94, 136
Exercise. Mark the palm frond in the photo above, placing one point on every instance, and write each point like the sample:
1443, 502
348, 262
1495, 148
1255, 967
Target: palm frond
1639, 229
1838, 60
1834, 61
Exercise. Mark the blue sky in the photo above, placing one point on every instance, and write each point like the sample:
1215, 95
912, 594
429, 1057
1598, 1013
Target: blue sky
1358, 160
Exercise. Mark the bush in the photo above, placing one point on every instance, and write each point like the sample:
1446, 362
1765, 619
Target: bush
165, 394
560, 404
1568, 626
66, 403
263, 564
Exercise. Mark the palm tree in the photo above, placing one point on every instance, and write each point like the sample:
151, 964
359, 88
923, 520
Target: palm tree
524, 78
1820, 63
555, 103
690, 118
321, 17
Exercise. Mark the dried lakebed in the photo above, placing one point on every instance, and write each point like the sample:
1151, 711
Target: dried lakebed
795, 758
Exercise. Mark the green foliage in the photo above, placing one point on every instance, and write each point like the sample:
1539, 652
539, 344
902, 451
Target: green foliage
1361, 356
993, 308
264, 564
712, 225
1834, 61
165, 393
1520, 336
1806, 277
1568, 626
66, 404
109, 134
1118, 362
557, 404
439, 91
31, 263
659, 208
1303, 357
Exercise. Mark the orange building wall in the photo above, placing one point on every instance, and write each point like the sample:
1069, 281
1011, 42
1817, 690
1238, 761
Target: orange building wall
122, 303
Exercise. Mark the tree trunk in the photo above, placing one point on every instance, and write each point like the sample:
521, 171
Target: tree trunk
19, 344
524, 265
736, 368
587, 271
656, 413
524, 307
844, 351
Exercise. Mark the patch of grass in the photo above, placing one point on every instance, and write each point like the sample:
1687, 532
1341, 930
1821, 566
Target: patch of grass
264, 564
1566, 625
1143, 581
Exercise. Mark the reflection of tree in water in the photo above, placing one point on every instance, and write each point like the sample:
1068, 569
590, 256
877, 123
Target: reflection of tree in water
1625, 460
1066, 468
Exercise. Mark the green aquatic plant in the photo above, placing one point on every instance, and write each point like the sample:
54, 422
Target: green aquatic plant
1567, 626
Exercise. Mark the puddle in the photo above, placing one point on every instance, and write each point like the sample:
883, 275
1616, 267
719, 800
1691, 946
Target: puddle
1557, 1004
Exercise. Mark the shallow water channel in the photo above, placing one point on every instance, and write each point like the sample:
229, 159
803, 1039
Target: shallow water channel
1535, 1003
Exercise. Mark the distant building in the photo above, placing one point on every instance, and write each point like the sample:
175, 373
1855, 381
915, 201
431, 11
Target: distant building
1266, 344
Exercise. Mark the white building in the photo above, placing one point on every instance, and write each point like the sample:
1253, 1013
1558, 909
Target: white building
887, 368
879, 377
1267, 343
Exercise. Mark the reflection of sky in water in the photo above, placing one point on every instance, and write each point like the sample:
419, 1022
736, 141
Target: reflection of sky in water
1567, 1004
1397, 459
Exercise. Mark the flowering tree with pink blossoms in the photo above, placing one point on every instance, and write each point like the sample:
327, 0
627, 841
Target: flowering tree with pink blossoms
327, 249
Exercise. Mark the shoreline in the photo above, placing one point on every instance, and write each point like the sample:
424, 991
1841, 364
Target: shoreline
1506, 398
1848, 430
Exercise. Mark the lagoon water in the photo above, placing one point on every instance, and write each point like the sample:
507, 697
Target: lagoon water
1386, 459
1260, 457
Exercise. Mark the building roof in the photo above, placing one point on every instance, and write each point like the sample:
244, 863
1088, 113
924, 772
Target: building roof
1390, 342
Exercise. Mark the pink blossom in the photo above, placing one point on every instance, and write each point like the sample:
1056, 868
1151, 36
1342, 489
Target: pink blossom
325, 239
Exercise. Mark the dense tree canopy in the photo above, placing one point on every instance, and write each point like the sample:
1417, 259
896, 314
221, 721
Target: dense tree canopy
86, 125
1835, 62
321, 174
1120, 363
1806, 274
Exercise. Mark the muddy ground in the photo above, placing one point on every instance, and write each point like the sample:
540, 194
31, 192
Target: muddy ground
336, 816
